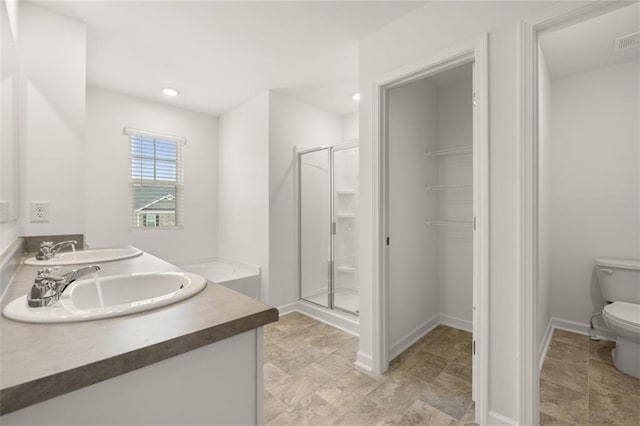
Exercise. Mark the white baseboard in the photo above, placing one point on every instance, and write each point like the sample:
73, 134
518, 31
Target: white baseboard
497, 419
413, 336
345, 322
456, 323
364, 362
544, 345
287, 309
580, 328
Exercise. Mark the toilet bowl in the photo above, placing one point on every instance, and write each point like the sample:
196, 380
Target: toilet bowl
624, 319
619, 282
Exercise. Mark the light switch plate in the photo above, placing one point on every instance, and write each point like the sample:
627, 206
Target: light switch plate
39, 211
4, 211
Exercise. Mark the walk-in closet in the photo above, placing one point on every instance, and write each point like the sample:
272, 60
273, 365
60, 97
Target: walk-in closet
429, 208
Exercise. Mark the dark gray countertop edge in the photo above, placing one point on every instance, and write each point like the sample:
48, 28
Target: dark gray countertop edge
21, 396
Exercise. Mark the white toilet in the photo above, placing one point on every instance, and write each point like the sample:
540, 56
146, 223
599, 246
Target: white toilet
620, 284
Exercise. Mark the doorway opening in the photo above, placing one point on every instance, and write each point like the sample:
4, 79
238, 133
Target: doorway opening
433, 219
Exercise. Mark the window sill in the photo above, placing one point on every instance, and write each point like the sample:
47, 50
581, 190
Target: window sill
156, 228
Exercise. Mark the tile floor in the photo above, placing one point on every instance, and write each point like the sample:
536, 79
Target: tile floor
310, 379
579, 384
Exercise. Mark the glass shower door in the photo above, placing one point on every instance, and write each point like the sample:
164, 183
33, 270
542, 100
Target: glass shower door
345, 229
315, 226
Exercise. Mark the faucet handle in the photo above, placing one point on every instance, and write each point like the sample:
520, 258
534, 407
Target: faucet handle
44, 274
48, 244
43, 271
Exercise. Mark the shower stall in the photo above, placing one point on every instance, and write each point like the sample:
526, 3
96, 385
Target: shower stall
328, 246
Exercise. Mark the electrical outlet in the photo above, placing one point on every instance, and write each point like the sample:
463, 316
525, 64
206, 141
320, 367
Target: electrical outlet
4, 211
39, 211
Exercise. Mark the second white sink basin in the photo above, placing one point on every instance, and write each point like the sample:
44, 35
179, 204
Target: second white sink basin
111, 296
81, 257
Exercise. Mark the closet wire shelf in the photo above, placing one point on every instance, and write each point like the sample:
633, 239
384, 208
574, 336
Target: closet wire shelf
447, 187
450, 151
451, 223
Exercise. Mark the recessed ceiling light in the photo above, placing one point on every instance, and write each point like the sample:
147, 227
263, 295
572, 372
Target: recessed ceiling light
170, 92
356, 96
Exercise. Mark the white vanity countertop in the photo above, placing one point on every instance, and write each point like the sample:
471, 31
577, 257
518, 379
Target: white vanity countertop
42, 361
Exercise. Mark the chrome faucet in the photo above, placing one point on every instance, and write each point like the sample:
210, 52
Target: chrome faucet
48, 288
48, 250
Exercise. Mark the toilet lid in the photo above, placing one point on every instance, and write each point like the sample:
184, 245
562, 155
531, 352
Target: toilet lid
624, 312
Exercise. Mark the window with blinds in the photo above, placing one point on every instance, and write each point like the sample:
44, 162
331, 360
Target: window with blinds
156, 180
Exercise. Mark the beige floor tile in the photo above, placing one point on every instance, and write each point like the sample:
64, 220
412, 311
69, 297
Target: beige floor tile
336, 364
312, 410
566, 373
600, 350
273, 376
448, 345
311, 378
272, 352
304, 382
272, 407
574, 339
448, 395
395, 395
564, 403
563, 351
618, 407
293, 361
469, 417
427, 366
606, 378
421, 413
547, 420
365, 412
460, 367
611, 397
453, 386
348, 389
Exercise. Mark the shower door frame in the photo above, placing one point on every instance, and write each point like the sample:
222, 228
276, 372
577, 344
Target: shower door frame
353, 143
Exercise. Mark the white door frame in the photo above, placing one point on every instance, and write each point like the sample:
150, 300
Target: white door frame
562, 15
470, 51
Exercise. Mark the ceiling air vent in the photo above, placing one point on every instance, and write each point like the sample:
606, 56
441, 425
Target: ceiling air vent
628, 41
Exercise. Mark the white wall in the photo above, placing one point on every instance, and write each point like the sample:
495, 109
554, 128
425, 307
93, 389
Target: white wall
413, 249
455, 244
291, 124
106, 171
350, 128
595, 188
414, 37
243, 186
544, 194
10, 226
52, 51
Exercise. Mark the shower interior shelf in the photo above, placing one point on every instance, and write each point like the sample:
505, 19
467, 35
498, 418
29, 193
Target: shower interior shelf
458, 223
346, 269
450, 151
346, 192
447, 187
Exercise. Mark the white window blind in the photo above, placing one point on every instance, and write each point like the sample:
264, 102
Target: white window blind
156, 180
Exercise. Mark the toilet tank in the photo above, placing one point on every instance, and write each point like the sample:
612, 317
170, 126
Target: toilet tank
619, 279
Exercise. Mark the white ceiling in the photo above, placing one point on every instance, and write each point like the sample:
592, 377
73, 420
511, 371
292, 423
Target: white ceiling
220, 54
589, 44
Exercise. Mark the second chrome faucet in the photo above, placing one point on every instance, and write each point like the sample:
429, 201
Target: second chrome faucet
47, 288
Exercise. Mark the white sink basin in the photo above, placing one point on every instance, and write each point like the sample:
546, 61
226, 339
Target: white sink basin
86, 256
111, 296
